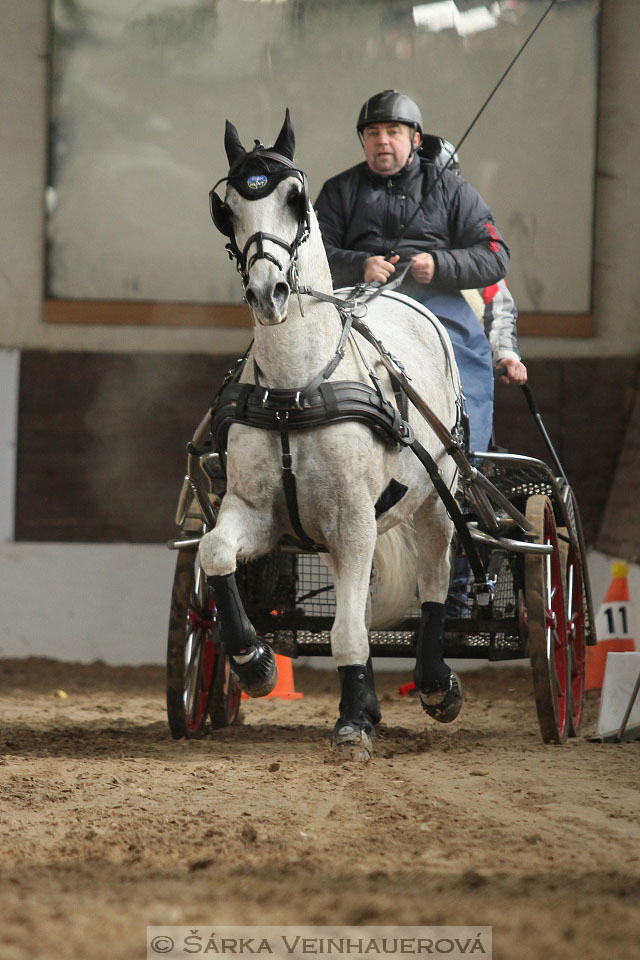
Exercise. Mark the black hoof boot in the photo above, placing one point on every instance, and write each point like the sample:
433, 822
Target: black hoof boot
443, 705
257, 676
440, 690
353, 734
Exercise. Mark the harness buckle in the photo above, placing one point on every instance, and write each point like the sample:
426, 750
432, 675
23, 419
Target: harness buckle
297, 401
265, 398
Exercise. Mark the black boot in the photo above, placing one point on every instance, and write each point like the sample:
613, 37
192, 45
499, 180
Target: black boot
256, 672
257, 676
354, 727
439, 688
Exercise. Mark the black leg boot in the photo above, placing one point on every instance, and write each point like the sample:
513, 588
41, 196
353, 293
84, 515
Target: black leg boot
252, 661
354, 728
439, 688
371, 702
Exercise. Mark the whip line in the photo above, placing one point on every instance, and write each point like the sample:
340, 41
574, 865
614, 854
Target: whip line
471, 126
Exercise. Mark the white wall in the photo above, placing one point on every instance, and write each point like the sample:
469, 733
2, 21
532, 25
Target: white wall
22, 165
85, 602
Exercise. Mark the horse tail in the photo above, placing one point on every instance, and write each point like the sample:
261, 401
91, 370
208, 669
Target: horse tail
394, 580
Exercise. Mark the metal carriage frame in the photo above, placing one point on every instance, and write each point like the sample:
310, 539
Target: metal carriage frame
534, 601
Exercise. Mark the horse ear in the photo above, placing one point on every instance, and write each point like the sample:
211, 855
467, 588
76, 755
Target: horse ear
232, 144
286, 142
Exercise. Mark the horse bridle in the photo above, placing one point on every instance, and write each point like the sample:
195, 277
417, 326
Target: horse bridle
249, 178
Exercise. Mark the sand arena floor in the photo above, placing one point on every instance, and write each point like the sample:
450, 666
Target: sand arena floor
107, 825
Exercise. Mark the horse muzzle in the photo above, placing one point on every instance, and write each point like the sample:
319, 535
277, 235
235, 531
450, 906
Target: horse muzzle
269, 303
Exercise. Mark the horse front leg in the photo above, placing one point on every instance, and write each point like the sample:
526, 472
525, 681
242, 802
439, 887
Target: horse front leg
239, 532
359, 710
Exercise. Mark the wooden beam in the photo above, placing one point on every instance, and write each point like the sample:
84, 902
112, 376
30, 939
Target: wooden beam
139, 313
150, 313
555, 325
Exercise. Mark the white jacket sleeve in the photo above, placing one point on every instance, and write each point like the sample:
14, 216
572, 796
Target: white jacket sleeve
500, 316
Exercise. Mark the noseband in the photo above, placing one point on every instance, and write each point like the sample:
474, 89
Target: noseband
255, 176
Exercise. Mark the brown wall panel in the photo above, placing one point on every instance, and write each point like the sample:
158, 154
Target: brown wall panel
620, 529
585, 406
102, 437
101, 450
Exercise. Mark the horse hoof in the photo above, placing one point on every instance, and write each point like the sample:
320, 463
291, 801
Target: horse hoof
443, 706
352, 742
257, 677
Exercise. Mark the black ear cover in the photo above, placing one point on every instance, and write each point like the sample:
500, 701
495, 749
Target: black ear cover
220, 214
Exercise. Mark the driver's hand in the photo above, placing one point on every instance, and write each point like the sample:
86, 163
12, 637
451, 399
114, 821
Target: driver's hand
516, 372
423, 267
378, 270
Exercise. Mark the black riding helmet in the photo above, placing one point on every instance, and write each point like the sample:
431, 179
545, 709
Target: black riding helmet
390, 106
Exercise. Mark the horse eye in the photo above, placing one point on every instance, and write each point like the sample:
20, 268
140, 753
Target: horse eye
293, 196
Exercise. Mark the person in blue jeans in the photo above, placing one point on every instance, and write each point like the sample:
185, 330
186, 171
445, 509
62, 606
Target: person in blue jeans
434, 220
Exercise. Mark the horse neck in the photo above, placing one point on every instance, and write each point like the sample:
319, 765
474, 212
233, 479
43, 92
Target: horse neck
292, 353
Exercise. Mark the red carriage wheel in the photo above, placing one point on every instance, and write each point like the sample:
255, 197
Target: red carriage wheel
546, 625
225, 695
191, 651
199, 682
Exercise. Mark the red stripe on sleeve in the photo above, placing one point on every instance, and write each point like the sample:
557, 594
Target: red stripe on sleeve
489, 293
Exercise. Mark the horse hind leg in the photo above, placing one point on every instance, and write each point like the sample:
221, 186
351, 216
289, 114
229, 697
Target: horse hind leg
359, 711
439, 687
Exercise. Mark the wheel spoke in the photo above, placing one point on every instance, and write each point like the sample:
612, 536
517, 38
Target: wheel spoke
573, 661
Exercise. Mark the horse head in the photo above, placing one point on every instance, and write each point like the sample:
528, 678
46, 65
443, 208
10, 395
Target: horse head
266, 216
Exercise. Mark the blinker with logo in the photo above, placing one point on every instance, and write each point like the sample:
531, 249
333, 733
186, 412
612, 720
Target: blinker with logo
257, 181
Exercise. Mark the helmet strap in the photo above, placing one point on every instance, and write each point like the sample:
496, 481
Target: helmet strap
414, 148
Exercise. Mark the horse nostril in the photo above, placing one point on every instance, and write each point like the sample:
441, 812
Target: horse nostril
251, 298
281, 293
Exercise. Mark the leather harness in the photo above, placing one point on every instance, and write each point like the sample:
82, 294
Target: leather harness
321, 403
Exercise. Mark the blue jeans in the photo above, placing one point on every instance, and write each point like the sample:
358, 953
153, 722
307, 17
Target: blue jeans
473, 356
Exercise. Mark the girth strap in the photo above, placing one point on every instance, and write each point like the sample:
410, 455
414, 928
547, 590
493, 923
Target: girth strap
289, 484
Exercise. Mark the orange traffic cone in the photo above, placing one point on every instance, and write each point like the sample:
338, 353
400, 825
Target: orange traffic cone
612, 626
284, 689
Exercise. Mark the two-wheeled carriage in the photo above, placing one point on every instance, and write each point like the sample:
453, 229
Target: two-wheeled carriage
539, 606
324, 436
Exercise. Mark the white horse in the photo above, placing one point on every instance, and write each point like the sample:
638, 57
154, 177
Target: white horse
341, 469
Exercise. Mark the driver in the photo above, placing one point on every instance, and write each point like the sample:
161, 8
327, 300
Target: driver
452, 244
